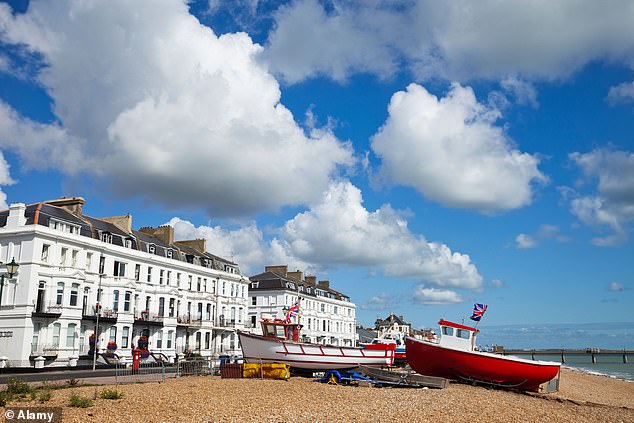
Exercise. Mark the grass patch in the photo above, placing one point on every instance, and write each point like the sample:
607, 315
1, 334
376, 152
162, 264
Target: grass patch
17, 386
111, 394
5, 397
44, 395
77, 400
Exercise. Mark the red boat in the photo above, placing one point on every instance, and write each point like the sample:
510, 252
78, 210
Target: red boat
453, 356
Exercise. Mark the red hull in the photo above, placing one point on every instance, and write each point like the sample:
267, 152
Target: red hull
433, 360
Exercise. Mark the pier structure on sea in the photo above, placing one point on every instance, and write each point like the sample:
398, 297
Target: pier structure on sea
594, 353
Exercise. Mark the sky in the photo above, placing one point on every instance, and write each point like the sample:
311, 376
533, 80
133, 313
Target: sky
421, 155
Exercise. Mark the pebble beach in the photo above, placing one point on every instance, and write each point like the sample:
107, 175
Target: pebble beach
581, 398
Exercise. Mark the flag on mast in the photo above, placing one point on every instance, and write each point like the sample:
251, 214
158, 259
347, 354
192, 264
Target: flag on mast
293, 311
478, 311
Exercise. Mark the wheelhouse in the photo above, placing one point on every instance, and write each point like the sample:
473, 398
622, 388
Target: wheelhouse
454, 335
277, 328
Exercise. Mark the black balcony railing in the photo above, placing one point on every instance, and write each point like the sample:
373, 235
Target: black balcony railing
145, 317
52, 310
188, 320
105, 314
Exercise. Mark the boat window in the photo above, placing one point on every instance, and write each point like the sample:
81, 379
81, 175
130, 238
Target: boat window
280, 332
461, 333
269, 330
447, 331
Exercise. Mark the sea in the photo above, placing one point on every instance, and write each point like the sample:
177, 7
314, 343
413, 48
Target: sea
574, 336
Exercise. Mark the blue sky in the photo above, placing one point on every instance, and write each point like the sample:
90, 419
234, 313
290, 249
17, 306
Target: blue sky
421, 155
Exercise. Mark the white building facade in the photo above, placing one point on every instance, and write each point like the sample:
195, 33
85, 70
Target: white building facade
75, 270
328, 316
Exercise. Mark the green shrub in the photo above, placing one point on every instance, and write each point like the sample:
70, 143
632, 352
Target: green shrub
77, 400
44, 395
5, 397
18, 386
111, 394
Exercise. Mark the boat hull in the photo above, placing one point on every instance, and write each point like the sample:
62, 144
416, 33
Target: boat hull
506, 371
301, 355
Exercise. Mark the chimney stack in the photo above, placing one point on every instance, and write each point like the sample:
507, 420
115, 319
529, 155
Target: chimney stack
311, 280
72, 204
196, 244
16, 216
164, 233
297, 276
280, 270
122, 222
324, 284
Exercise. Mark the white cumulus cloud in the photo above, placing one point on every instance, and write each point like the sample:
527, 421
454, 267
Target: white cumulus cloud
455, 40
612, 204
622, 93
524, 241
157, 105
451, 151
616, 287
426, 295
339, 230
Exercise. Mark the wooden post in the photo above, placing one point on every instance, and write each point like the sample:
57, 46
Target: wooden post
594, 358
624, 356
533, 355
563, 357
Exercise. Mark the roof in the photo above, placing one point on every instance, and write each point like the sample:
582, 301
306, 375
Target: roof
443, 322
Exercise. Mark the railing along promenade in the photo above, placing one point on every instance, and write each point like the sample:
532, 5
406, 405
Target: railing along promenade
593, 352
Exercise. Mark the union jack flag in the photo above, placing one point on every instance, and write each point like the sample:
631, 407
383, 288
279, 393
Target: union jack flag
293, 311
478, 311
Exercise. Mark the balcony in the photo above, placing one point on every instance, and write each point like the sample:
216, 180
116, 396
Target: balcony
188, 320
147, 318
106, 315
49, 311
44, 350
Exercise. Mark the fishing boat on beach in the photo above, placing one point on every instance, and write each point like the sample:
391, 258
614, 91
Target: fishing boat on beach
454, 356
280, 343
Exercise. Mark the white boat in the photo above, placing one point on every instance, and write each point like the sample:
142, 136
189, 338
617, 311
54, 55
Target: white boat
280, 344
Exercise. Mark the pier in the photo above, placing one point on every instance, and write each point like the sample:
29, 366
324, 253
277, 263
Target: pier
594, 353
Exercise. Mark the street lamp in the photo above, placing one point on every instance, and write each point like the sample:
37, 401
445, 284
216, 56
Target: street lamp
12, 269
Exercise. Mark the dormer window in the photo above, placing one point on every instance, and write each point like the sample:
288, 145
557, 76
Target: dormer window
169, 253
151, 248
255, 285
63, 226
128, 243
203, 262
106, 237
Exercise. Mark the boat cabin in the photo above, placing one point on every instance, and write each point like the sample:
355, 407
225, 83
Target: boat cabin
456, 336
278, 328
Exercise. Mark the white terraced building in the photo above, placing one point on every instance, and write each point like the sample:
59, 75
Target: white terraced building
327, 316
75, 269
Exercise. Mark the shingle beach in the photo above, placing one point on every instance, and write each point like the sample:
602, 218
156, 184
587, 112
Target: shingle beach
582, 398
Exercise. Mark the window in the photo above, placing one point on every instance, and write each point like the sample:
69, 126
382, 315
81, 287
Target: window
205, 285
254, 318
137, 272
88, 261
223, 287
447, 331
198, 285
60, 293
126, 301
151, 248
169, 253
254, 300
106, 237
200, 311
56, 330
119, 268
125, 335
71, 335
178, 280
102, 264
190, 282
149, 274
240, 311
74, 292
323, 308
161, 311
113, 334
244, 291
461, 333
207, 340
169, 277
161, 274
73, 258
172, 307
128, 243
45, 248
233, 314
62, 257
159, 339
170, 337
232, 290
115, 300
208, 312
